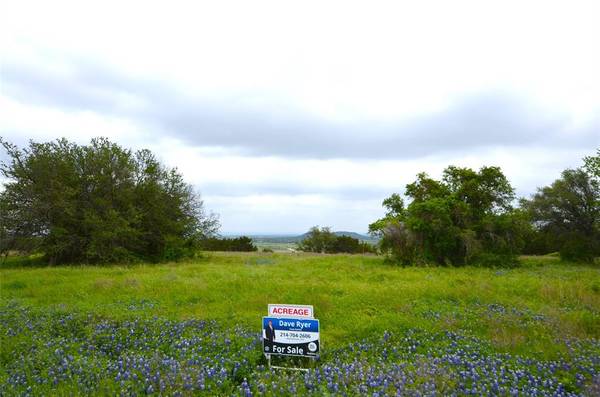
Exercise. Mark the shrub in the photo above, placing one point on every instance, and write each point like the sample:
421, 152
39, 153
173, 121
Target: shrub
578, 248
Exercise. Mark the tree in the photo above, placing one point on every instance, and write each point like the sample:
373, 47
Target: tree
592, 165
97, 203
569, 210
318, 240
466, 217
323, 240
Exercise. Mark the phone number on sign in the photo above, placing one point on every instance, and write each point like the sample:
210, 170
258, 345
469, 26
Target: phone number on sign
295, 335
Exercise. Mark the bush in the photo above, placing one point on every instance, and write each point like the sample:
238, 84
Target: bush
579, 248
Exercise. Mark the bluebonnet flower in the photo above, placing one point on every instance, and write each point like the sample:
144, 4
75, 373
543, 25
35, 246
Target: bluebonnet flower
180, 357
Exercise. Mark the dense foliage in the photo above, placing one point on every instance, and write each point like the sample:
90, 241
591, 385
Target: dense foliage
51, 352
239, 244
566, 214
323, 240
97, 203
592, 165
466, 218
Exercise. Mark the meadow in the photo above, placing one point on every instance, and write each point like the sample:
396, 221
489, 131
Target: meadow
194, 327
276, 246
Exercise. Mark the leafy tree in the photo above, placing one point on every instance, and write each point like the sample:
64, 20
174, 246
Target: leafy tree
592, 165
345, 244
483, 193
323, 240
318, 240
395, 211
97, 203
466, 217
569, 210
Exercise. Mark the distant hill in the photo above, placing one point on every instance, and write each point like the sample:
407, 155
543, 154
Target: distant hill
297, 239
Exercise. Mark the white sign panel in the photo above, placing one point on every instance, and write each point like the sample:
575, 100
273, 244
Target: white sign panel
295, 311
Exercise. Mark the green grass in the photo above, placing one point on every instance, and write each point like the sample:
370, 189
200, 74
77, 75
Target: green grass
521, 310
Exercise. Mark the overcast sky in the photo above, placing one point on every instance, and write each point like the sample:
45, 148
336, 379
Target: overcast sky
286, 115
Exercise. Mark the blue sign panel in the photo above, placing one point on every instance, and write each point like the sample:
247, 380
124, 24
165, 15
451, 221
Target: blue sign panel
291, 336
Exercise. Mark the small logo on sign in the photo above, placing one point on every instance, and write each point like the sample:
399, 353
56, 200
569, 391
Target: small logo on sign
312, 346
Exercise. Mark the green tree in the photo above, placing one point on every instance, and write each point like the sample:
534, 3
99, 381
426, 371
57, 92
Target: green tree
323, 240
592, 165
569, 209
318, 240
97, 203
466, 217
395, 212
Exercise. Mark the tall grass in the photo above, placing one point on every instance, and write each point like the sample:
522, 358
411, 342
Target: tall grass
520, 310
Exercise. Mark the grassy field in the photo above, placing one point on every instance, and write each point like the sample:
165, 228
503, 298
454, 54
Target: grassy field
353, 296
522, 311
276, 247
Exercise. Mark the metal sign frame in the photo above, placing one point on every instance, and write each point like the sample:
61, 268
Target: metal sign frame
289, 368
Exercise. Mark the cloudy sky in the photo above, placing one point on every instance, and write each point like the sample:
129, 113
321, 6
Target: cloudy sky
286, 114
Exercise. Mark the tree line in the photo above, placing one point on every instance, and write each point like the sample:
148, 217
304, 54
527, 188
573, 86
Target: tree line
100, 203
470, 217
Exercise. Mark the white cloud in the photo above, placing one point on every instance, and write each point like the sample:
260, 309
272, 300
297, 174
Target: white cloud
21, 122
335, 59
210, 86
275, 194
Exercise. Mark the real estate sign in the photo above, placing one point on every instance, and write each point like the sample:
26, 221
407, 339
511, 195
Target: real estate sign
289, 335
